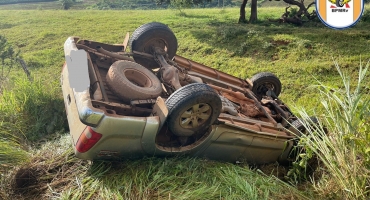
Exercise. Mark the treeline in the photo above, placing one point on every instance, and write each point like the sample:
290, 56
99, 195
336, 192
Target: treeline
152, 4
3, 2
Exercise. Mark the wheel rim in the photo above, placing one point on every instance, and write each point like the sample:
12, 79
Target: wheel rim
154, 43
195, 116
264, 87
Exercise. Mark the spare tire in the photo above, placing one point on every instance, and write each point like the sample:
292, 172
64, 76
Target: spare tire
150, 35
131, 81
192, 109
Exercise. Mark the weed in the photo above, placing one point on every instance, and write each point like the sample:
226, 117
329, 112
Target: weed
344, 151
8, 58
31, 110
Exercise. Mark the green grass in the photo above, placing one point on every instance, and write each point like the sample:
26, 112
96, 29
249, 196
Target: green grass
297, 55
208, 36
58, 174
345, 150
47, 5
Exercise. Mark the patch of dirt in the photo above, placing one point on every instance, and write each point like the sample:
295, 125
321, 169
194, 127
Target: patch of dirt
274, 169
281, 171
24, 180
280, 42
31, 181
314, 168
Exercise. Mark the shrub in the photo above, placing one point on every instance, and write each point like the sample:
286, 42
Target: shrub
67, 4
366, 16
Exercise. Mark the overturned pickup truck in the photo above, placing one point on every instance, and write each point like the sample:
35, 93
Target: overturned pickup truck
152, 102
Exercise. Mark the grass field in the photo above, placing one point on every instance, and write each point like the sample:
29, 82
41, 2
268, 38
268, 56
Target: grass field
32, 114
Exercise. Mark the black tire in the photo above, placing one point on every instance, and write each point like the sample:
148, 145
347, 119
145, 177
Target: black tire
192, 109
152, 34
131, 81
265, 81
339, 3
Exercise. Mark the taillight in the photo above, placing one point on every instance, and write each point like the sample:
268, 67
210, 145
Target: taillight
87, 139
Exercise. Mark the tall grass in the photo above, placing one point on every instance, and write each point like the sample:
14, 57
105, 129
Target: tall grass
345, 150
30, 110
55, 173
28, 113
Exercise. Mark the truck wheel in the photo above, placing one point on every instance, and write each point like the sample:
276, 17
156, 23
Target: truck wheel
264, 82
339, 3
131, 81
192, 109
150, 35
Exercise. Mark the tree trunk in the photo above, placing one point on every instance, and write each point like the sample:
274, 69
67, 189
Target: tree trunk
242, 12
253, 16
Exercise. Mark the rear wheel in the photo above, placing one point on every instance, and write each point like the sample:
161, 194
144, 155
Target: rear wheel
151, 35
266, 83
192, 109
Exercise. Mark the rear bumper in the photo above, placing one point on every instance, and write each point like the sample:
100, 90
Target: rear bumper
86, 112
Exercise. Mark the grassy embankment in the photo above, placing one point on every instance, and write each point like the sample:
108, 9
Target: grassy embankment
31, 113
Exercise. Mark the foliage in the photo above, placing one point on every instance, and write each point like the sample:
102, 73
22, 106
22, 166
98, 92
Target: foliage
22, 1
184, 2
67, 4
344, 150
293, 11
8, 57
181, 4
125, 5
30, 110
11, 153
158, 4
366, 15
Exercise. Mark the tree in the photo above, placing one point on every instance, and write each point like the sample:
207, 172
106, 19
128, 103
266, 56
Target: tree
253, 16
299, 16
181, 4
67, 4
294, 16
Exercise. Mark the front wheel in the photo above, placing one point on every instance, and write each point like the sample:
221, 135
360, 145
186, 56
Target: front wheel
192, 109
